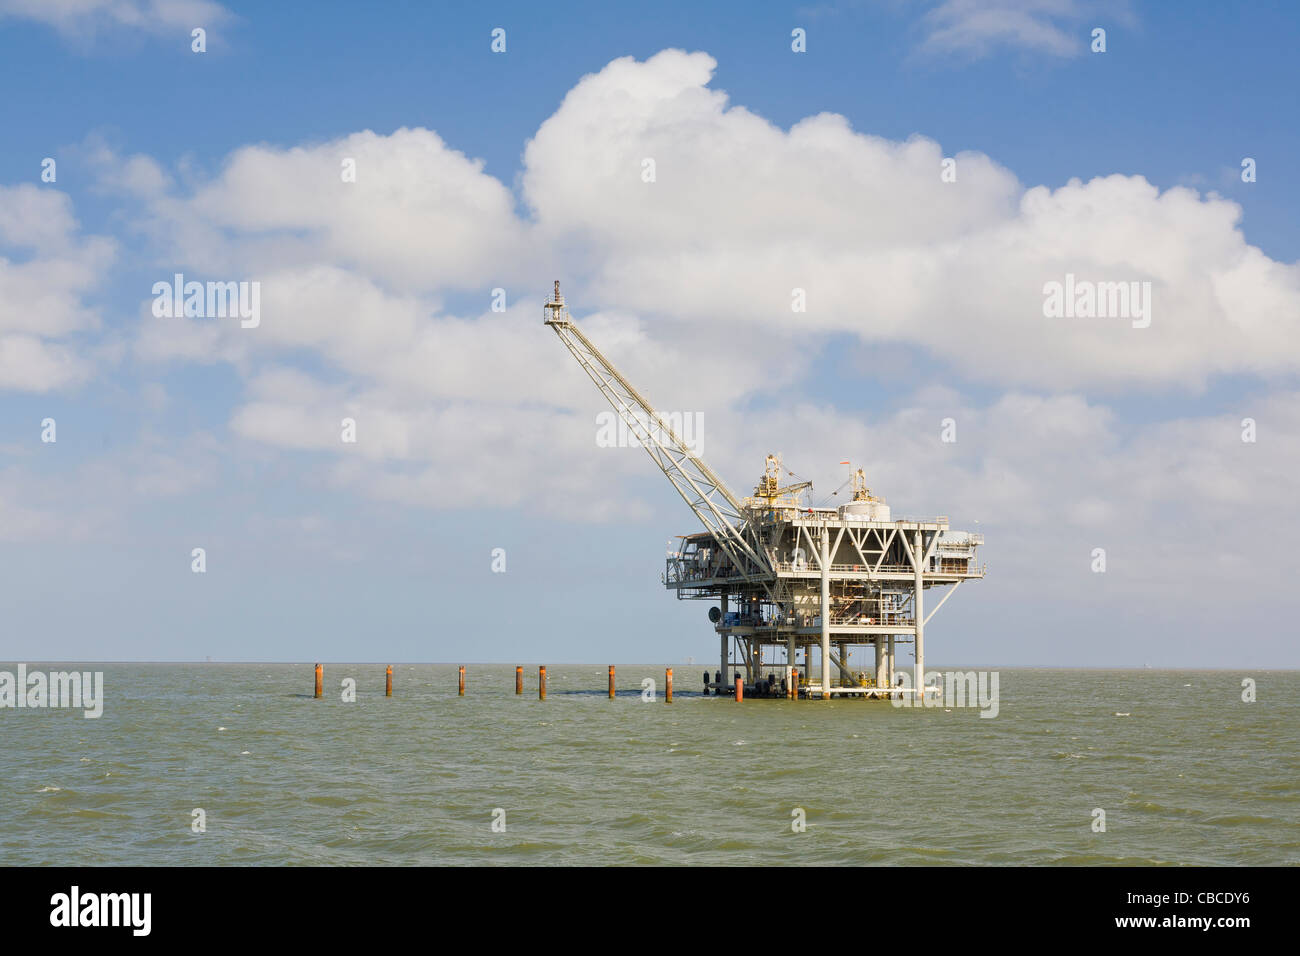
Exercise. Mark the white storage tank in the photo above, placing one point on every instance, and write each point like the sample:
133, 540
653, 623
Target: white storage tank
870, 509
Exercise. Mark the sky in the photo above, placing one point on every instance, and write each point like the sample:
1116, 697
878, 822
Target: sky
914, 175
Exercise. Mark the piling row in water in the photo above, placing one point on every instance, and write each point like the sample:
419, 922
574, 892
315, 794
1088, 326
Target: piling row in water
792, 692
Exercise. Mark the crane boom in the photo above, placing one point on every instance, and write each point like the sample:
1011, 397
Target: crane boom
707, 495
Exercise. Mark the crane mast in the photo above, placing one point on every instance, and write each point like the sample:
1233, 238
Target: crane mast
700, 487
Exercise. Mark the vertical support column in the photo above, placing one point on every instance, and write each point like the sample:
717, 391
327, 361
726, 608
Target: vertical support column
826, 613
889, 665
880, 660
724, 669
724, 666
519, 680
388, 682
460, 686
846, 672
611, 681
918, 606
541, 683
790, 651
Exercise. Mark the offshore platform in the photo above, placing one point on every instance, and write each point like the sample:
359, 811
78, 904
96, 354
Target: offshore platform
795, 585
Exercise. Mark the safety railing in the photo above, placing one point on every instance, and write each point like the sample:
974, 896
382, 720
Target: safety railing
811, 568
867, 620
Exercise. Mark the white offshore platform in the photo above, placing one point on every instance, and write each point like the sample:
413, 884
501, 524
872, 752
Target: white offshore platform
794, 585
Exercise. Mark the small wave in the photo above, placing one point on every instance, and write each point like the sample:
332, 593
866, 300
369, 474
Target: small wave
49, 790
98, 814
1239, 821
1125, 714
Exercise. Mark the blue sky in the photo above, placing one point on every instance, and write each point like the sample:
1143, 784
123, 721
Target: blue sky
169, 438
1182, 92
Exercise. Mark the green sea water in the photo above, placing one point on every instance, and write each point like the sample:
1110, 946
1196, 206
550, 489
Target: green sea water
1191, 775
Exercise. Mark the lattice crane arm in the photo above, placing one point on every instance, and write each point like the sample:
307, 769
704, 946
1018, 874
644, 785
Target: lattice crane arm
789, 488
718, 509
